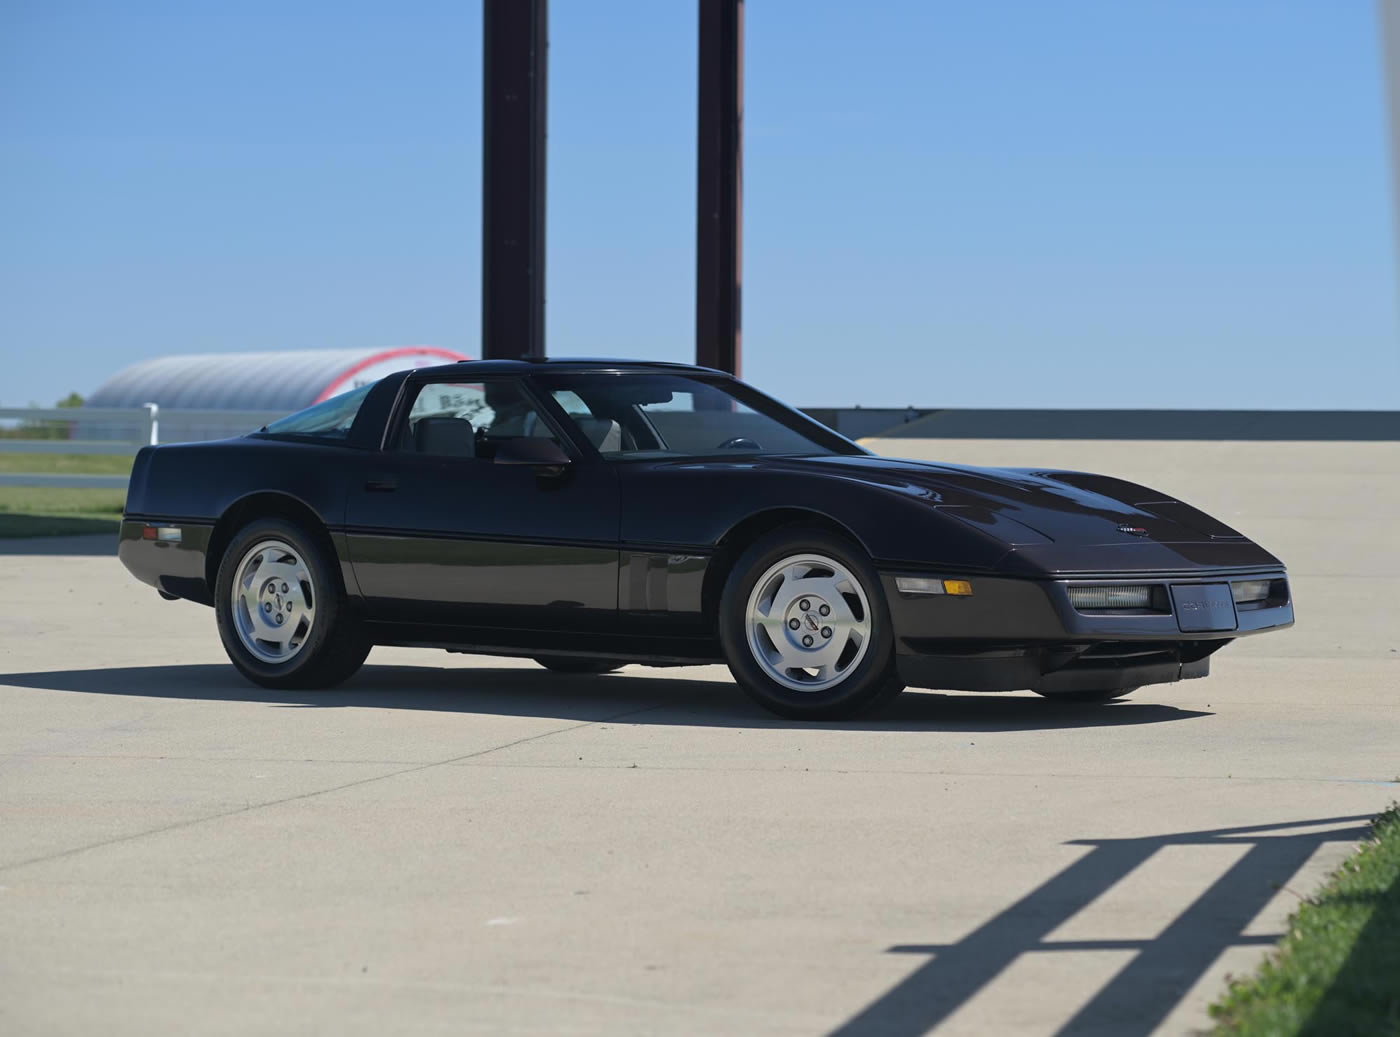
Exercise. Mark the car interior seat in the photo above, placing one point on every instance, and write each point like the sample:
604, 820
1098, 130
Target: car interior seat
603, 433
450, 437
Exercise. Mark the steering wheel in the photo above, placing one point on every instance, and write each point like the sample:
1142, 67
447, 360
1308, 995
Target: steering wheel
739, 443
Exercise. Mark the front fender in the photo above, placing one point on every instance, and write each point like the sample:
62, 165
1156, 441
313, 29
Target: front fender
695, 507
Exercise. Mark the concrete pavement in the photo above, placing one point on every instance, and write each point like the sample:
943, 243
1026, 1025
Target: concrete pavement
452, 844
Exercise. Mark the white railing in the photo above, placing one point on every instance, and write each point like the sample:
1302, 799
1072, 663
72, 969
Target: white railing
110, 430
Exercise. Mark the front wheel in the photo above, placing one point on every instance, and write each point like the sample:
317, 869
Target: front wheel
281, 613
805, 628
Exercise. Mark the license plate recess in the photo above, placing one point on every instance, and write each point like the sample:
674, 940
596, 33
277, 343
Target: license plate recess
1203, 606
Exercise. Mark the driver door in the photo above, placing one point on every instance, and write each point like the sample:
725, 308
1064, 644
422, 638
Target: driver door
441, 534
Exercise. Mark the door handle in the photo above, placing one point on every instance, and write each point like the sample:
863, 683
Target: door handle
385, 485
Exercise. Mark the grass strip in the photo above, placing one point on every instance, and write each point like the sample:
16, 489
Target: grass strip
67, 464
39, 511
61, 500
1337, 971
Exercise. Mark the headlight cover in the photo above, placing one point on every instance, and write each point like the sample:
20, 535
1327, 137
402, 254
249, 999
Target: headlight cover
1247, 591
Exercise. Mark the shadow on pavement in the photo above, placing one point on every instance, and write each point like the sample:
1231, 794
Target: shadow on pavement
539, 693
1163, 968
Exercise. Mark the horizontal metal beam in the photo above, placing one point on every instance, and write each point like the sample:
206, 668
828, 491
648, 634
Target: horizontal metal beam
1216, 425
69, 446
71, 414
255, 418
63, 481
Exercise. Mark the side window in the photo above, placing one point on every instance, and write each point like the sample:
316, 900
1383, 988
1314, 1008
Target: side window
461, 419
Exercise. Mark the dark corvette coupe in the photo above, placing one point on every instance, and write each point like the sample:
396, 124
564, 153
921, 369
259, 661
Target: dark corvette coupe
590, 514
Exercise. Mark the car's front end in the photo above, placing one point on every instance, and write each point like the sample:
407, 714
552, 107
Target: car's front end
1078, 634
1054, 581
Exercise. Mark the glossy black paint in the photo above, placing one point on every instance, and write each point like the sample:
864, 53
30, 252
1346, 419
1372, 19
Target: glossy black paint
627, 557
432, 540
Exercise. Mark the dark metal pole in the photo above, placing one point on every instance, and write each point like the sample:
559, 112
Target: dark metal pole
515, 45
719, 186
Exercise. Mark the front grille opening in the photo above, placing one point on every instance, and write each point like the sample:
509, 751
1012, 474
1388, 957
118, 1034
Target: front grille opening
1119, 599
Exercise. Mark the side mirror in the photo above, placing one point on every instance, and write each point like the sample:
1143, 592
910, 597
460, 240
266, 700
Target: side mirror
531, 450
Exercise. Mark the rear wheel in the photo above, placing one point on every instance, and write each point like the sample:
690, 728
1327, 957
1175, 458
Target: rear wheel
281, 613
580, 664
805, 628
1088, 696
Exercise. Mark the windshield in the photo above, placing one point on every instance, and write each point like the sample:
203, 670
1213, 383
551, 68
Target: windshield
674, 415
331, 418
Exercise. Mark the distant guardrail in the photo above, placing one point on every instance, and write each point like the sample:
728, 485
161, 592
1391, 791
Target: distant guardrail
133, 426
110, 431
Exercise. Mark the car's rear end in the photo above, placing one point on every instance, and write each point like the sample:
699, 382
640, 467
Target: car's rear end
161, 543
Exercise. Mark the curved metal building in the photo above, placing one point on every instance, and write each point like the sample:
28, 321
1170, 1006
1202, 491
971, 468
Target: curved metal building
283, 382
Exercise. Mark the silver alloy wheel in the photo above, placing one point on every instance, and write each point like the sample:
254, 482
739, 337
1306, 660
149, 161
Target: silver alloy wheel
274, 601
808, 622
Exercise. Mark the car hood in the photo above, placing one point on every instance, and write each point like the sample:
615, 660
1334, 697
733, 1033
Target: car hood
1029, 506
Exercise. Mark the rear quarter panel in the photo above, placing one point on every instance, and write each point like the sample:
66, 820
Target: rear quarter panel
193, 485
200, 481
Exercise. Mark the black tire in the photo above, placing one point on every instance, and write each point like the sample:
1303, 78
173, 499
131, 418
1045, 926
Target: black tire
1089, 696
336, 645
578, 664
871, 683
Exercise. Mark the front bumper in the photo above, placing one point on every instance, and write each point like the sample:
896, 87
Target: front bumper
1012, 634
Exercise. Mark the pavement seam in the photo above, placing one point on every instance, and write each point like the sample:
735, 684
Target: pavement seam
214, 759
439, 986
176, 826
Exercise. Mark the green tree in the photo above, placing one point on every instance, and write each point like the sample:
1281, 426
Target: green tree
71, 400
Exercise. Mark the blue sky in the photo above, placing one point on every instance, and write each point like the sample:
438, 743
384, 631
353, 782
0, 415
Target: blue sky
1160, 203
